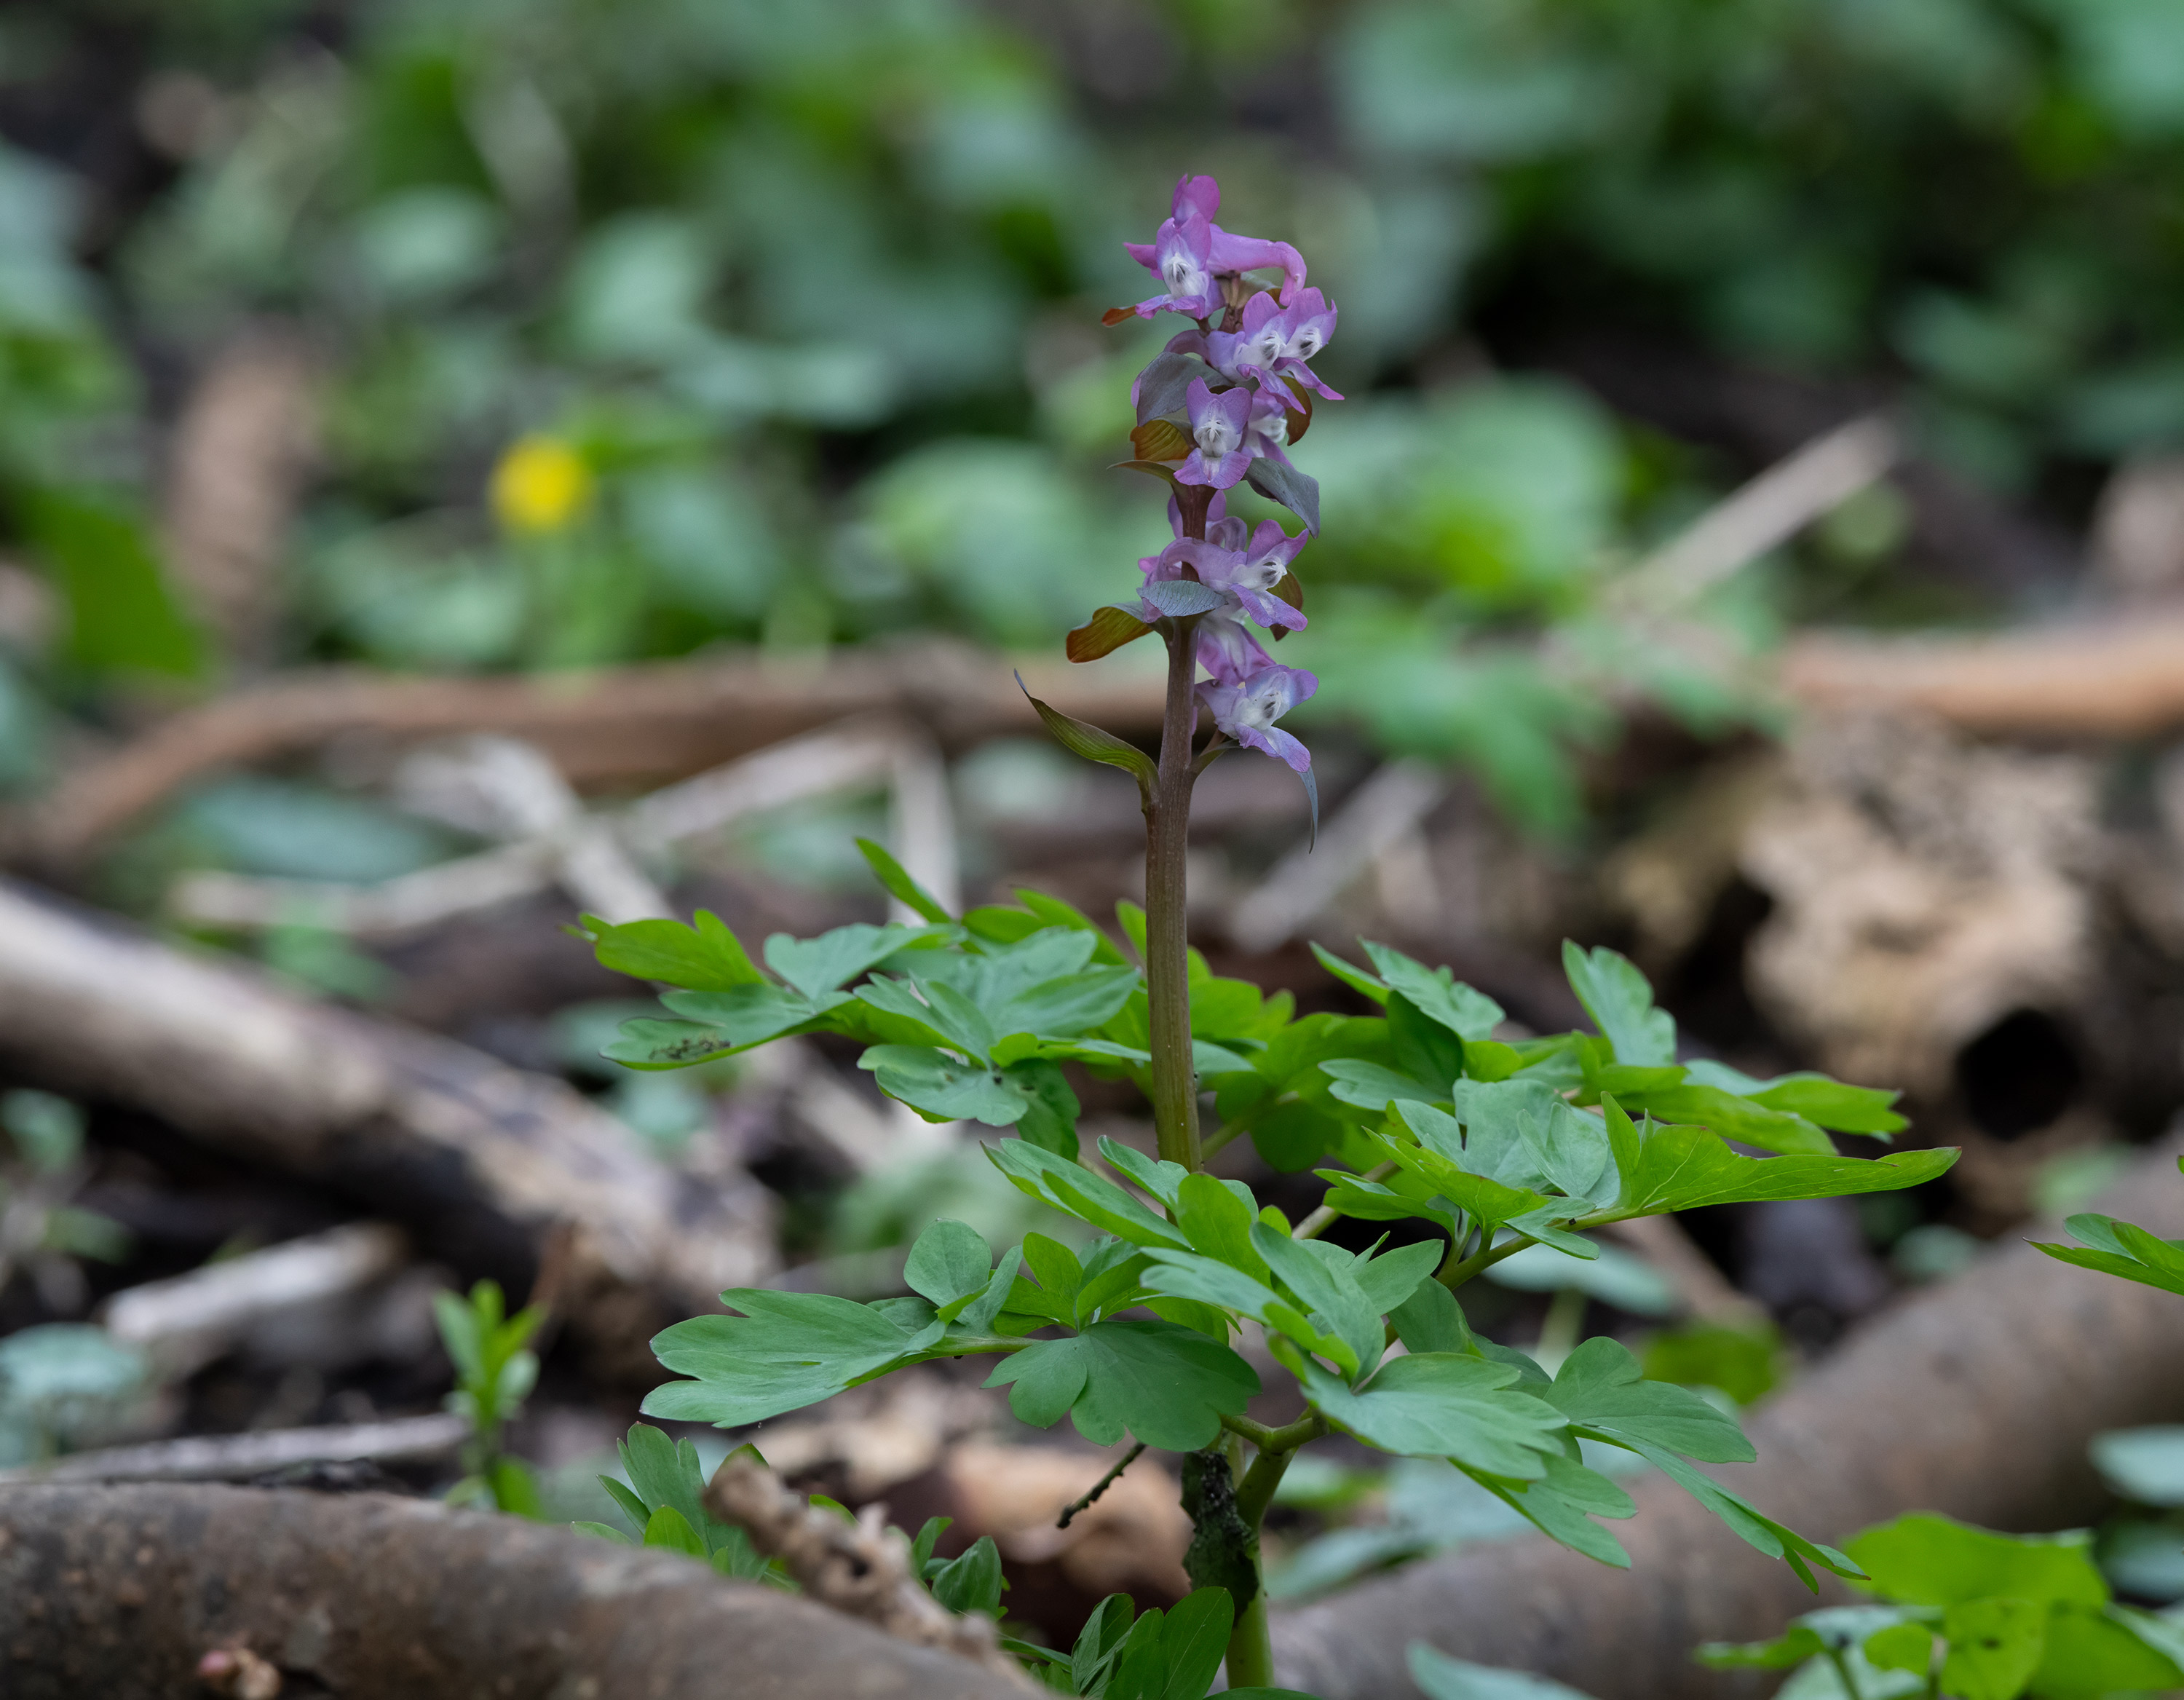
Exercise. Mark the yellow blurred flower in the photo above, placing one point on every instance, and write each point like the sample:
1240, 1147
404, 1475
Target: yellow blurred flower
542, 484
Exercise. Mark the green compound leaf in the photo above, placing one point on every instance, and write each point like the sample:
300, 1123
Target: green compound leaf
1620, 1002
1437, 1404
785, 1351
705, 957
1165, 1385
900, 886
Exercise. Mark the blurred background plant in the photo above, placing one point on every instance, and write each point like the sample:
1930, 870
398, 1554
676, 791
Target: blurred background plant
578, 334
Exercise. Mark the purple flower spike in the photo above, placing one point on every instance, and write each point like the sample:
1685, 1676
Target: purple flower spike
1189, 253
1227, 650
1219, 424
1247, 711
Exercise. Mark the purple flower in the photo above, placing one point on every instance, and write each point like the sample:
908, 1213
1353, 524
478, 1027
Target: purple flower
1231, 565
1266, 428
1248, 709
1273, 342
1191, 253
1227, 650
1217, 425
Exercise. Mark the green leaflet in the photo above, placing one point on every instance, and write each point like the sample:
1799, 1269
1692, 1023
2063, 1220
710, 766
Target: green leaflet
704, 957
1563, 1503
1837, 1629
900, 886
944, 1090
1440, 1404
1601, 1388
2122, 1249
1437, 993
1995, 1645
750, 1015
972, 1581
1165, 1385
1617, 997
787, 1351
814, 966
950, 1261
1080, 1193
1440, 1677
1927, 1559
1665, 1169
1372, 1086
1825, 1102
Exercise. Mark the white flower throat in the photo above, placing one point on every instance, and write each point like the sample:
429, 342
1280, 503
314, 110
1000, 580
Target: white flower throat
1215, 435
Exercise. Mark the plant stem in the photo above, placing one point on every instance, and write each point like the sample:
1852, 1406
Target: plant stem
1251, 1657
1168, 966
1455, 1275
1843, 1672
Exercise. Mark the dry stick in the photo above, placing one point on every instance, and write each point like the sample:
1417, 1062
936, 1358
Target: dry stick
187, 1320
1099, 1487
472, 1153
232, 1458
861, 1567
623, 727
1379, 813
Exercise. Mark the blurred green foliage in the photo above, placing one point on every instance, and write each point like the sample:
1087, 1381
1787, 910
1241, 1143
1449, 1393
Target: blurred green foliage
811, 294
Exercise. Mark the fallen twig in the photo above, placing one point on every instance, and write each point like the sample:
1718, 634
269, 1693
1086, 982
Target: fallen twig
618, 726
479, 1159
237, 1458
861, 1567
187, 1320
